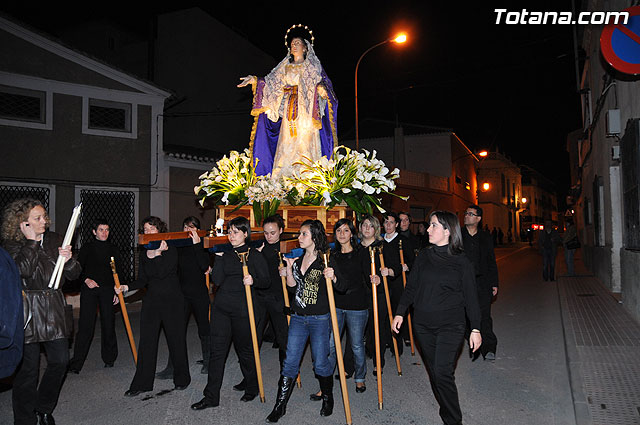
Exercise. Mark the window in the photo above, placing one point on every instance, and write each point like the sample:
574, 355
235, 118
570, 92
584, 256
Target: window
630, 155
107, 115
22, 104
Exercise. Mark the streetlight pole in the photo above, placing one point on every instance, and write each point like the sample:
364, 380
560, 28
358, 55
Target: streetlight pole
398, 39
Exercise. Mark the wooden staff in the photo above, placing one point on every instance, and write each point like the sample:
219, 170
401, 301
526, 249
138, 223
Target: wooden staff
376, 328
285, 292
125, 315
404, 284
252, 324
338, 344
386, 295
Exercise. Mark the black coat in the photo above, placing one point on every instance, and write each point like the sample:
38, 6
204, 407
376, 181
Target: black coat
193, 262
36, 263
485, 265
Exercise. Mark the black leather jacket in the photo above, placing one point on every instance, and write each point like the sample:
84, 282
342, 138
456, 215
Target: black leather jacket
36, 263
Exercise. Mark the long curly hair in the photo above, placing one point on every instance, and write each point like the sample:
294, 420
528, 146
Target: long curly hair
15, 213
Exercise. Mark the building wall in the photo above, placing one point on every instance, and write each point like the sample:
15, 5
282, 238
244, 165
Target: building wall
22, 57
201, 60
608, 259
630, 268
183, 202
64, 153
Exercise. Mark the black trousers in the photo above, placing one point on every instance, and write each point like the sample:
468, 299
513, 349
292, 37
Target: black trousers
385, 329
229, 325
396, 289
489, 339
27, 394
271, 308
158, 311
440, 345
90, 301
199, 306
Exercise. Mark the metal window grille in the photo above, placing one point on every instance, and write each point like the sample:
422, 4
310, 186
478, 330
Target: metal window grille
9, 194
21, 107
118, 208
111, 118
107, 115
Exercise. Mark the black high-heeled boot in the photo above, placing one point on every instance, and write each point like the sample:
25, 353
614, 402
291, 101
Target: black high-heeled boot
285, 388
326, 386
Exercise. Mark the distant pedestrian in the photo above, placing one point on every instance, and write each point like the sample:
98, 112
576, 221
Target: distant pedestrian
509, 236
500, 236
422, 234
548, 242
442, 290
570, 243
479, 249
494, 235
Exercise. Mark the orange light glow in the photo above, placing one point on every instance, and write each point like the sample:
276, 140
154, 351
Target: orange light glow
524, 200
483, 153
400, 38
486, 186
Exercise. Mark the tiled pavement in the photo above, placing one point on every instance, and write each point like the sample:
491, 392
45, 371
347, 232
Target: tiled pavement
603, 347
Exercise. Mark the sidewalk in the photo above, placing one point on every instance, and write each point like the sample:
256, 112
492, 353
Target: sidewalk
602, 344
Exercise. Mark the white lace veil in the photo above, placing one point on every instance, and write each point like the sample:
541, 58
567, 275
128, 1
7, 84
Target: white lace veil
275, 82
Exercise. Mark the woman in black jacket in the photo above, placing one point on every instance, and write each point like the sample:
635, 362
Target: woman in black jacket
162, 306
35, 252
442, 289
230, 314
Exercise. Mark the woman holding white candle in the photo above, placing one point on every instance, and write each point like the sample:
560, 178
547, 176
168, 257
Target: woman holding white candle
35, 251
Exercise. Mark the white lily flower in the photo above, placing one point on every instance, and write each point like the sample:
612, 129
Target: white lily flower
225, 198
368, 189
326, 196
346, 190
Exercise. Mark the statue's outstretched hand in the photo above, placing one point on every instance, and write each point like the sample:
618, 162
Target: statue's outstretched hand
322, 92
249, 79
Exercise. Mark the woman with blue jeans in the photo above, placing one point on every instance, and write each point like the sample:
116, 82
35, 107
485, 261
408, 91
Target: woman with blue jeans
310, 317
351, 305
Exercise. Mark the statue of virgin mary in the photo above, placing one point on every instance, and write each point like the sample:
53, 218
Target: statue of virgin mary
295, 109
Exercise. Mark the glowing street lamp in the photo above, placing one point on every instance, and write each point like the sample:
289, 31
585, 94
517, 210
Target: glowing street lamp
486, 186
483, 153
399, 39
524, 200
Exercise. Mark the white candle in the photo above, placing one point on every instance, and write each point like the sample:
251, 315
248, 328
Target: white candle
54, 282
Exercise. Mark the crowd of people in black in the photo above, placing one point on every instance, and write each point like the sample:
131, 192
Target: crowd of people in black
449, 271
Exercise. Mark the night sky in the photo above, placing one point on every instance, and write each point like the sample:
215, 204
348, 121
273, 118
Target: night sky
510, 87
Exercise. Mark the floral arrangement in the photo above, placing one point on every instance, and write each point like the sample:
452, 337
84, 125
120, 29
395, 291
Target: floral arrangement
227, 181
351, 177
